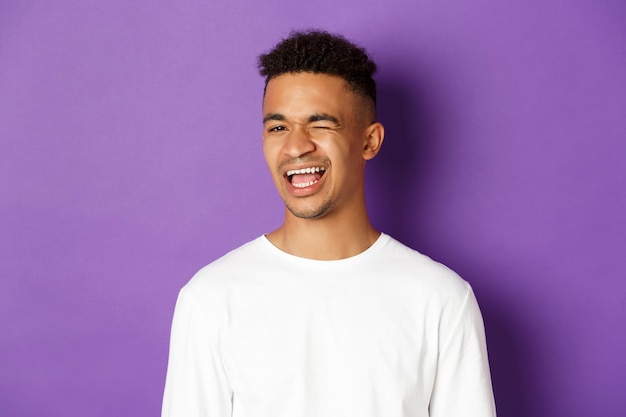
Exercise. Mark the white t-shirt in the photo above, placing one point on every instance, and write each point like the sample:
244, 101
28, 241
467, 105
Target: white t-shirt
386, 333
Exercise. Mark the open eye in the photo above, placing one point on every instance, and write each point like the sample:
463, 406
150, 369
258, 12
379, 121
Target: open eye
277, 128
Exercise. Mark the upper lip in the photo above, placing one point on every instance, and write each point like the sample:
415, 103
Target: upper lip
307, 170
300, 165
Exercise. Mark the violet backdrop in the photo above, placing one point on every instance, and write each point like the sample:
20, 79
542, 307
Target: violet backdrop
130, 156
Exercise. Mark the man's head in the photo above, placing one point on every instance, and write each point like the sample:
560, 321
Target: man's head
319, 123
320, 52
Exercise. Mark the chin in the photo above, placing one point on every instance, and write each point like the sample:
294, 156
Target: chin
311, 212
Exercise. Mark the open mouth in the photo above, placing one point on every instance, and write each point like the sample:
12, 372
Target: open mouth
305, 177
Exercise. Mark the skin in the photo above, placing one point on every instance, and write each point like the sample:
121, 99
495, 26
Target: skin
316, 120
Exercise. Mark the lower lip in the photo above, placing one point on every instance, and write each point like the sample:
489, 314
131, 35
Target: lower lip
304, 191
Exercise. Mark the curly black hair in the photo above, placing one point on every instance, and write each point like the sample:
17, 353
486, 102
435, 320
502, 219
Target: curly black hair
323, 53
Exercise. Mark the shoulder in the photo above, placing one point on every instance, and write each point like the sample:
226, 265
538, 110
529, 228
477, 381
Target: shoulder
226, 270
438, 288
421, 270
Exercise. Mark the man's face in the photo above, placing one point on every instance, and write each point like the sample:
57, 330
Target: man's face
314, 136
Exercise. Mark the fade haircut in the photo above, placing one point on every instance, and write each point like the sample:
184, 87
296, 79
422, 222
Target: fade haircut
321, 52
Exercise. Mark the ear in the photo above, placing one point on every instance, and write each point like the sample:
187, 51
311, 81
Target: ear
375, 133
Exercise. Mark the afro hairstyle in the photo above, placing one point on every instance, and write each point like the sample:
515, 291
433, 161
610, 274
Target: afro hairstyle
322, 53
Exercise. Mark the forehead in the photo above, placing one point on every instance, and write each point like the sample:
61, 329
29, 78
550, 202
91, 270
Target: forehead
307, 92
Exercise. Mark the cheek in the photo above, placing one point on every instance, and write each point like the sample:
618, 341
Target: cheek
269, 153
342, 152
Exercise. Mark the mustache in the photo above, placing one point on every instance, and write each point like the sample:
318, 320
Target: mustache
319, 160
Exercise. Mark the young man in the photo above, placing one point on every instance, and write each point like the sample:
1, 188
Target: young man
325, 316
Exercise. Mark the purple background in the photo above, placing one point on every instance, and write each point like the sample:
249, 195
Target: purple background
130, 156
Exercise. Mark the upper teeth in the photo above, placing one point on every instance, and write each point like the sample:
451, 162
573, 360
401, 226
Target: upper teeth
309, 170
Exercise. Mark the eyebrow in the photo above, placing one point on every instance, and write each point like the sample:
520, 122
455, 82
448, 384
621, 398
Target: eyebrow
273, 116
323, 117
313, 118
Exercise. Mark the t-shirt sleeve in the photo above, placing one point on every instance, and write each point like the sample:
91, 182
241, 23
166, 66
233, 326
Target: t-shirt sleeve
462, 385
197, 384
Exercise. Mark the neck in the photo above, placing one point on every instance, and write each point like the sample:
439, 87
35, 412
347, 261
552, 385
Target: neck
331, 237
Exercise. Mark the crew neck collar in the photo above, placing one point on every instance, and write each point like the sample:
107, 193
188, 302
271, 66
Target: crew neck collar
381, 241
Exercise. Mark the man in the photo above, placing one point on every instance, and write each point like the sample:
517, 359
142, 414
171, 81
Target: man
325, 316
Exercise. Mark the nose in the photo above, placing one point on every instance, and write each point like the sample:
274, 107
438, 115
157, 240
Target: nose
298, 143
